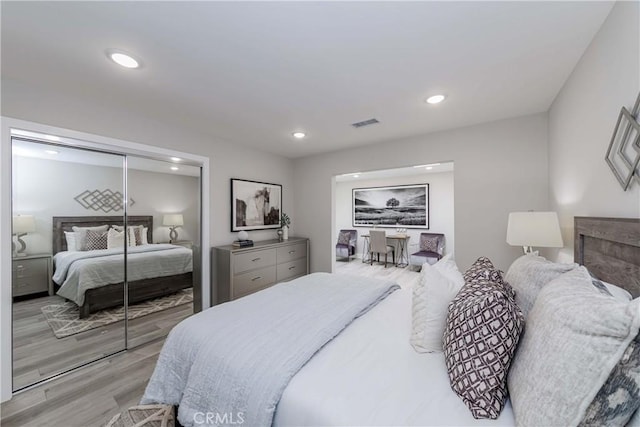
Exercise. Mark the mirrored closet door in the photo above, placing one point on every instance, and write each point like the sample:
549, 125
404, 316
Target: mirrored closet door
164, 222
107, 253
67, 285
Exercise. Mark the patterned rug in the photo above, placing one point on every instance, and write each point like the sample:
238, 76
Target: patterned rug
64, 318
144, 416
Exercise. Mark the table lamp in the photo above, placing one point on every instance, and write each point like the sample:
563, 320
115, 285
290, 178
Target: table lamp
173, 221
529, 229
22, 225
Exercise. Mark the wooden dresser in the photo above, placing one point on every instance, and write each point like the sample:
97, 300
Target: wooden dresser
241, 271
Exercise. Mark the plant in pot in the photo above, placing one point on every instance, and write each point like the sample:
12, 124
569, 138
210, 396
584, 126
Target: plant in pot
285, 222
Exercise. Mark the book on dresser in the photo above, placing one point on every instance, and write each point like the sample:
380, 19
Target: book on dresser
242, 243
240, 271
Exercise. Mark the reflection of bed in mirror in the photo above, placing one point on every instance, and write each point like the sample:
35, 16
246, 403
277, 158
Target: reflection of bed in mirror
94, 279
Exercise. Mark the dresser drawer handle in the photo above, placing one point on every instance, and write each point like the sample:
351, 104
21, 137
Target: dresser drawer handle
293, 267
292, 252
256, 259
256, 278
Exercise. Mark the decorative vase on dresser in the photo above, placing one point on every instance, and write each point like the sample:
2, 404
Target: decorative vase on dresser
285, 233
238, 272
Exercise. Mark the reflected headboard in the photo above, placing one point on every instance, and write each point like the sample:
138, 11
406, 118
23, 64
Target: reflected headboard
610, 249
65, 223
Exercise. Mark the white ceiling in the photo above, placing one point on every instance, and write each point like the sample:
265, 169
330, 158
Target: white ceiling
252, 73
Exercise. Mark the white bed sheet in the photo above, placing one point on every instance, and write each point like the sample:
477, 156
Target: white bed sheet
370, 375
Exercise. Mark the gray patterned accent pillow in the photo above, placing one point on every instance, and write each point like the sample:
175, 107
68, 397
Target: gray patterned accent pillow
576, 337
137, 232
96, 240
344, 238
483, 328
619, 397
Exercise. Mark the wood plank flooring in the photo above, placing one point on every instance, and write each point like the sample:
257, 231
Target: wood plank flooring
91, 395
38, 354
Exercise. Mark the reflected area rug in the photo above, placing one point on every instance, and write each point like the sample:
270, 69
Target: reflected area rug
64, 318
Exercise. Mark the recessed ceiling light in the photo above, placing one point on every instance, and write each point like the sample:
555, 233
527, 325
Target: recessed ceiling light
123, 59
174, 168
175, 159
356, 175
299, 135
435, 99
429, 168
52, 152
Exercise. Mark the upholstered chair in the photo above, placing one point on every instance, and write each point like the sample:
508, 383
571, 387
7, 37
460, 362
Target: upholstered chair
431, 249
378, 245
346, 246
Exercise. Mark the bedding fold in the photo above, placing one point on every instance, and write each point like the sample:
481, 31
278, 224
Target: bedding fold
234, 361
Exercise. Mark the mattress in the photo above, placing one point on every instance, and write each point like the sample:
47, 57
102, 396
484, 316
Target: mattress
370, 375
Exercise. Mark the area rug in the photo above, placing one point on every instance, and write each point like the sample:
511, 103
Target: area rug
144, 416
64, 318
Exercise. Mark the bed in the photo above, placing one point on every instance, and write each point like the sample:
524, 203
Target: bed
368, 374
112, 294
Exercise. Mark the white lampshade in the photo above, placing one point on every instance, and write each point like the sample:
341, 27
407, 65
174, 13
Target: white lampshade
539, 229
173, 220
24, 224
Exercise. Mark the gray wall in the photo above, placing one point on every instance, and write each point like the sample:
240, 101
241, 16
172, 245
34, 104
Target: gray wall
46, 188
226, 160
581, 122
441, 206
500, 167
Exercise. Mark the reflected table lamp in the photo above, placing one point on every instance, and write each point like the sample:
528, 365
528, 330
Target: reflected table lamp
22, 225
173, 221
534, 229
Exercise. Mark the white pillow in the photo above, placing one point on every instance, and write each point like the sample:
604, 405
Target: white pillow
115, 239
131, 234
81, 235
145, 240
438, 285
70, 237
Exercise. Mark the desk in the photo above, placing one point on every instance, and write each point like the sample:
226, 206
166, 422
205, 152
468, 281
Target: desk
402, 259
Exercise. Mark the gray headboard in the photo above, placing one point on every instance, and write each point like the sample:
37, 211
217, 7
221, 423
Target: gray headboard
610, 249
65, 223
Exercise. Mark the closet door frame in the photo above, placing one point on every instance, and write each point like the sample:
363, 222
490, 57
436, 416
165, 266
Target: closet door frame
14, 127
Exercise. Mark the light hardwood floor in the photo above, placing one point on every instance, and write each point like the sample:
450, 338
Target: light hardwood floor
93, 394
38, 354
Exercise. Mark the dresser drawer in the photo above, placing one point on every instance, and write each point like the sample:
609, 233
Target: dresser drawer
28, 285
291, 269
246, 283
30, 268
254, 259
288, 253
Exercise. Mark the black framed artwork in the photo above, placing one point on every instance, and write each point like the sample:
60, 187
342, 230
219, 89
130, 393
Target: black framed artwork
402, 205
255, 205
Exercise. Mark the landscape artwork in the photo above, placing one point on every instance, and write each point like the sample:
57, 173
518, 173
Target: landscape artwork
255, 205
405, 205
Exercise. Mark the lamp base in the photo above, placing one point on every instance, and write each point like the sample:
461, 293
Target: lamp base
173, 234
528, 250
23, 246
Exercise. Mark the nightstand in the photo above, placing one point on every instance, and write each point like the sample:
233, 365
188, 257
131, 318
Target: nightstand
186, 243
31, 274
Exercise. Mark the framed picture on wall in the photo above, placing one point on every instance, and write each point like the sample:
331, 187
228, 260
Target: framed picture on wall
403, 205
255, 205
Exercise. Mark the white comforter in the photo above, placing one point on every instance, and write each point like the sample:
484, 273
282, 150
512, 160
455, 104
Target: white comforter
79, 271
370, 375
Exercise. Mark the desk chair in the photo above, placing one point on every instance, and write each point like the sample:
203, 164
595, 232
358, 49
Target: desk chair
431, 249
378, 245
346, 246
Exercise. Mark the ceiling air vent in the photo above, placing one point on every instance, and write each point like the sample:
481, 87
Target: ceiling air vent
365, 123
